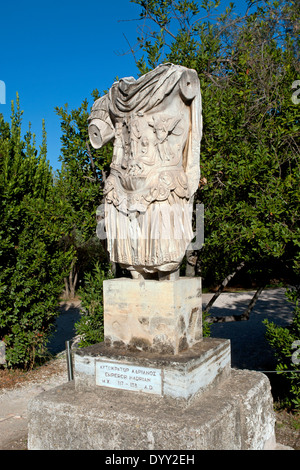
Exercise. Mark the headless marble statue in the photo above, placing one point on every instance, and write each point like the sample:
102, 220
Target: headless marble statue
155, 123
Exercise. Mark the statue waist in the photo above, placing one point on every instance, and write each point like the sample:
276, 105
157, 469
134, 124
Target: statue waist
143, 190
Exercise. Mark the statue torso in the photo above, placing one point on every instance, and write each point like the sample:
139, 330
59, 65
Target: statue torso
148, 153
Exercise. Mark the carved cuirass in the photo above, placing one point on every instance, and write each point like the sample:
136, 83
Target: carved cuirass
156, 124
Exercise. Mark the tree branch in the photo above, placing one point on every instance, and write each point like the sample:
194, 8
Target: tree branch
221, 288
92, 161
244, 316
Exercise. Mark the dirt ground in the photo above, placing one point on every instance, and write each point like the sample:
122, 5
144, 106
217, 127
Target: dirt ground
16, 389
288, 429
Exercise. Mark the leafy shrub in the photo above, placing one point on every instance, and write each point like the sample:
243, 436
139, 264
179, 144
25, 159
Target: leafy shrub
32, 260
206, 325
286, 344
91, 325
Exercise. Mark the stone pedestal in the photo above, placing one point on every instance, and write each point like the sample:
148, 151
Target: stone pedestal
181, 376
235, 415
163, 317
155, 382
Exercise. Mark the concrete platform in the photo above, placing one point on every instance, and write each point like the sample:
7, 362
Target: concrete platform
236, 415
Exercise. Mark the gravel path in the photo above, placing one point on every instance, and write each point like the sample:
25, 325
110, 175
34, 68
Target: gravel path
13, 403
249, 348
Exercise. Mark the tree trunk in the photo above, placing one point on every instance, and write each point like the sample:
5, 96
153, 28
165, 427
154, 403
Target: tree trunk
67, 291
73, 276
70, 282
244, 316
253, 301
221, 288
191, 261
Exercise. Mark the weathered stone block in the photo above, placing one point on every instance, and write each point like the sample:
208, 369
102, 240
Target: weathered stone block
236, 415
150, 315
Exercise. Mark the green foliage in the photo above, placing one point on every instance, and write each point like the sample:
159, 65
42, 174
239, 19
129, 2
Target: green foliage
32, 261
205, 325
286, 345
91, 326
250, 146
80, 183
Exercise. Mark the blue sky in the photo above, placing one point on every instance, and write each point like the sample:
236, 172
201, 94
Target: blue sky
57, 52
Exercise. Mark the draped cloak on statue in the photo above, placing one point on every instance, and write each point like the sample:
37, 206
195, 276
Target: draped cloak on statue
156, 125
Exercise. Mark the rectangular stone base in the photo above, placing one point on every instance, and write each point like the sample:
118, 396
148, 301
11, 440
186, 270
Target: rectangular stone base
150, 315
236, 415
178, 376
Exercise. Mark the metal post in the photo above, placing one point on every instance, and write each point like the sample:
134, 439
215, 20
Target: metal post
69, 361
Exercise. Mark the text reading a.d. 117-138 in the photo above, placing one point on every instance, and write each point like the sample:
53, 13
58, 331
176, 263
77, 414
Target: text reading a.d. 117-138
129, 377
